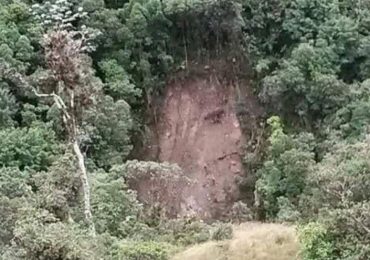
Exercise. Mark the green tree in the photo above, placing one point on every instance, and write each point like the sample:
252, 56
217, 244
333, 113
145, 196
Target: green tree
118, 83
315, 241
9, 210
14, 182
337, 193
8, 106
107, 128
38, 234
33, 148
284, 173
116, 209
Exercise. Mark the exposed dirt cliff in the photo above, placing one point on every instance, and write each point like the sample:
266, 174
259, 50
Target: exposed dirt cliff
198, 129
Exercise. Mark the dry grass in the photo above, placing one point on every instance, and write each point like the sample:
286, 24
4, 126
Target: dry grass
251, 241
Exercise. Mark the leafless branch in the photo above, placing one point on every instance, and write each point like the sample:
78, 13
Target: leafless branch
20, 81
361, 224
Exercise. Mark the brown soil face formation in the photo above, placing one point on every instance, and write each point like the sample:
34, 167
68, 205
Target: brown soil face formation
198, 129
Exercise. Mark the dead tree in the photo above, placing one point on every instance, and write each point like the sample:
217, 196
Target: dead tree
73, 92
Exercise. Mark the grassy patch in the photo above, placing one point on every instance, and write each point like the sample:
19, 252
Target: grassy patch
251, 241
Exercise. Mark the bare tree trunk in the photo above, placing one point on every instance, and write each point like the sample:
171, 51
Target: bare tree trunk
73, 133
68, 110
85, 186
185, 50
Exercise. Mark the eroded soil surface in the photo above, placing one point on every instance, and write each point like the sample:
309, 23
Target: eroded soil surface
198, 129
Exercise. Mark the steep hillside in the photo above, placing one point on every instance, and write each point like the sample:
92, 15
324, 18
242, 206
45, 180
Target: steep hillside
130, 129
199, 130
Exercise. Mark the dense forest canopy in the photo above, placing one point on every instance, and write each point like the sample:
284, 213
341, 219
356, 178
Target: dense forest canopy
78, 85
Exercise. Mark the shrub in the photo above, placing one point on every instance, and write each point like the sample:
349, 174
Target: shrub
134, 250
315, 242
115, 206
35, 148
39, 235
184, 231
240, 212
284, 173
221, 231
287, 211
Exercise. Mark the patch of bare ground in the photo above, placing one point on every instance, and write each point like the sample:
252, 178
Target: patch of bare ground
200, 132
251, 241
198, 129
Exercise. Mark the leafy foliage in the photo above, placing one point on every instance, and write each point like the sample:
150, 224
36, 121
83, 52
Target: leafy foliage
315, 242
16, 35
311, 68
13, 182
39, 234
144, 250
338, 191
310, 64
118, 83
8, 107
116, 208
33, 148
107, 129
284, 173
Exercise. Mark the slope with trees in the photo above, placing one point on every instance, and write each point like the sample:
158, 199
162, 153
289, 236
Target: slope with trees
79, 82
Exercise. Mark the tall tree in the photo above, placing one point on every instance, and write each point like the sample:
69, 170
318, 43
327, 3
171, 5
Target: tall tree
70, 80
72, 92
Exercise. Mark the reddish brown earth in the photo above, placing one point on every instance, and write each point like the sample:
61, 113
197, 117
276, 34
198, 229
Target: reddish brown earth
198, 129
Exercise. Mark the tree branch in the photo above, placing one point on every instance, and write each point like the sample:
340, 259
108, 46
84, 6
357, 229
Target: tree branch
18, 79
361, 224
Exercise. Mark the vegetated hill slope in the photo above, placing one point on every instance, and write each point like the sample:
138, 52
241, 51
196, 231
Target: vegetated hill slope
198, 129
251, 241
